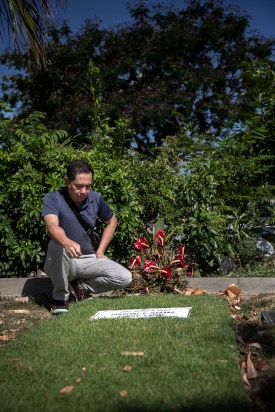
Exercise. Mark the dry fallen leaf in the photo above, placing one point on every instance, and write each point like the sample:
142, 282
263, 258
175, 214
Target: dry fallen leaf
236, 317
244, 374
234, 288
240, 339
127, 368
21, 299
7, 336
230, 294
251, 370
132, 353
254, 345
188, 291
232, 309
78, 380
233, 291
19, 311
123, 393
245, 379
260, 365
67, 389
197, 292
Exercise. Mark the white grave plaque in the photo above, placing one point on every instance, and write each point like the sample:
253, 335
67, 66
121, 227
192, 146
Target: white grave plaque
142, 313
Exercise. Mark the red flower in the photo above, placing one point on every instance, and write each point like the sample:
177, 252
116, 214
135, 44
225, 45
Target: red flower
182, 249
150, 266
135, 262
166, 272
190, 269
141, 244
179, 261
160, 237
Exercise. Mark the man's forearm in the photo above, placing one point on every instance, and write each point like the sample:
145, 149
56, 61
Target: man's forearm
58, 234
107, 236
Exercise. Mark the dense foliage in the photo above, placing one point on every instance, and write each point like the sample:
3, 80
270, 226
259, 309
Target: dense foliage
163, 69
215, 201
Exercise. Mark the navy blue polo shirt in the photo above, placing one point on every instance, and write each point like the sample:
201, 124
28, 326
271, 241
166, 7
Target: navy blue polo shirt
94, 207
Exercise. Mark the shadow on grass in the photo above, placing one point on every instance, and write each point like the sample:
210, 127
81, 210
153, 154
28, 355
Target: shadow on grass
219, 407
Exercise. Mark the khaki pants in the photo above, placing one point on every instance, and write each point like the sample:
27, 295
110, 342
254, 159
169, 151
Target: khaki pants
93, 275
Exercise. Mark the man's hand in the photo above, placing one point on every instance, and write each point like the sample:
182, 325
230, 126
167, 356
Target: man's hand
72, 249
100, 255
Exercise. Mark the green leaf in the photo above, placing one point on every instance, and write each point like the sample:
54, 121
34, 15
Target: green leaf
159, 225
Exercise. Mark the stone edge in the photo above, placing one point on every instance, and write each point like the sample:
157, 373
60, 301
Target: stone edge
32, 287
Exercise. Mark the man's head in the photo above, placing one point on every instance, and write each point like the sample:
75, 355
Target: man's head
78, 167
79, 180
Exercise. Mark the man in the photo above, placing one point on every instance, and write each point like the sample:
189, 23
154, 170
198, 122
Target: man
71, 261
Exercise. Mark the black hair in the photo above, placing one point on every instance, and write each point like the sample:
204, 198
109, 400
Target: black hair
76, 167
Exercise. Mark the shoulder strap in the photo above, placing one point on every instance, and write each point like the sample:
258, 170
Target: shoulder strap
79, 217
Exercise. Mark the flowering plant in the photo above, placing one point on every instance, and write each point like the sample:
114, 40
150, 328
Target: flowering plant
160, 266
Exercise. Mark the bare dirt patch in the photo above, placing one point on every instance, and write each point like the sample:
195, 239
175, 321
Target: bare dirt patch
17, 317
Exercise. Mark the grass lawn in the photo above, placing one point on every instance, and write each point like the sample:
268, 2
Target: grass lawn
182, 364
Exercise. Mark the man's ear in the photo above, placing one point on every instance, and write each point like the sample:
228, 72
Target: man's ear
66, 180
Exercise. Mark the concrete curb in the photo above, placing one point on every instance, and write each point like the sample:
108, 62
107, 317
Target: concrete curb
33, 287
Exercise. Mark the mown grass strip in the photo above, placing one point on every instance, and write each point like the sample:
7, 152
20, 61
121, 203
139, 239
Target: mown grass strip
188, 364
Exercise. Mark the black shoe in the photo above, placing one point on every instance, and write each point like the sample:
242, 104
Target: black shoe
59, 306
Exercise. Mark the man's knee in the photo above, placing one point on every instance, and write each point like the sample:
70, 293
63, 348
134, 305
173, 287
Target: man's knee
126, 278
